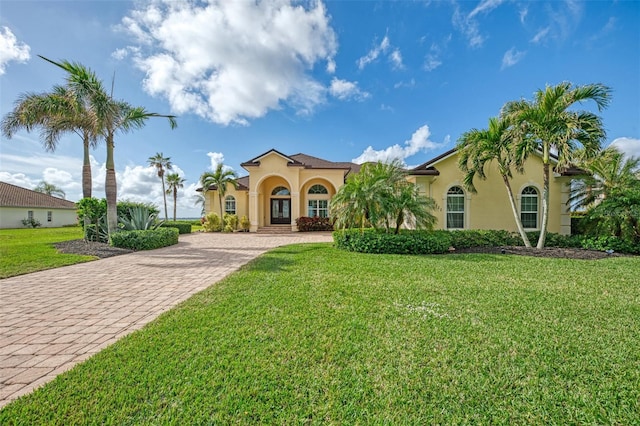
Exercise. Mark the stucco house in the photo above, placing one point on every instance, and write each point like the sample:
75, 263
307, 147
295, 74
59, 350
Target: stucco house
17, 203
280, 188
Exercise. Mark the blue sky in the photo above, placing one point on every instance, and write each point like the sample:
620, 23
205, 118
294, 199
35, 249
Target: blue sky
340, 80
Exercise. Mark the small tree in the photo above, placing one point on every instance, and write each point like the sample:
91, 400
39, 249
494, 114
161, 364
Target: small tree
49, 189
175, 182
218, 180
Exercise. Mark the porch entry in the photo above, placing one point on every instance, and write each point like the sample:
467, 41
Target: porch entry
280, 211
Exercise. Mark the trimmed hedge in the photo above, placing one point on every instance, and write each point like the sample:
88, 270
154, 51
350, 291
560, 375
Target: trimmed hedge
429, 242
182, 226
306, 224
484, 238
379, 242
145, 240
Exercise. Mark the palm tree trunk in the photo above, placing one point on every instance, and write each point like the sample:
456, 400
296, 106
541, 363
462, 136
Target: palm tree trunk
175, 203
164, 194
221, 213
545, 202
512, 200
111, 189
86, 170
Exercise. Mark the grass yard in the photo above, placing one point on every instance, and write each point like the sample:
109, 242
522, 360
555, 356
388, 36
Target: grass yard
308, 334
29, 250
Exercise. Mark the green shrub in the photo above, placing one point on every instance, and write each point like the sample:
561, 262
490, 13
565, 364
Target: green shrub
30, 223
245, 224
306, 224
606, 242
139, 218
212, 223
230, 221
484, 238
379, 242
145, 240
183, 227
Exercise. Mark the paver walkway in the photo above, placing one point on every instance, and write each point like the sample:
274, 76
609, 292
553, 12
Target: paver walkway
51, 320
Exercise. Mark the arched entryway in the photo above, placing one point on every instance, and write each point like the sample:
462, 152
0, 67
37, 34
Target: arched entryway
280, 206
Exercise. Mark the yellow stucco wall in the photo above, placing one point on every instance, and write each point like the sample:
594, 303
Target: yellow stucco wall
489, 208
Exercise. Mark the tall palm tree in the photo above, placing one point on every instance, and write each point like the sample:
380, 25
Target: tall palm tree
548, 123
219, 179
477, 148
161, 163
175, 182
49, 189
113, 117
56, 113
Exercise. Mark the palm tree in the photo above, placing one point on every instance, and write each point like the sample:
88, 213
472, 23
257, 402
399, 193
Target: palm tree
380, 196
200, 200
477, 148
161, 163
548, 123
608, 173
175, 182
219, 179
49, 189
56, 113
113, 117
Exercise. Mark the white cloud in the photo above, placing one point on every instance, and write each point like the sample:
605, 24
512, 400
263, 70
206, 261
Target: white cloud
409, 84
396, 59
511, 57
231, 61
395, 56
431, 62
120, 54
344, 90
541, 35
629, 146
467, 26
523, 14
331, 66
485, 6
18, 179
215, 158
419, 142
11, 49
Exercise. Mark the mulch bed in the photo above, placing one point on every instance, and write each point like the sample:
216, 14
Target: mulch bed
554, 252
90, 248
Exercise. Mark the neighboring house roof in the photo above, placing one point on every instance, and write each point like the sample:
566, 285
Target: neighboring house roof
16, 196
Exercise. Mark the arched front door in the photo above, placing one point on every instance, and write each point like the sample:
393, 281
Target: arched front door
280, 206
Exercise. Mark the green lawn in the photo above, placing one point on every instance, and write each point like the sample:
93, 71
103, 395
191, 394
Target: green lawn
30, 250
308, 334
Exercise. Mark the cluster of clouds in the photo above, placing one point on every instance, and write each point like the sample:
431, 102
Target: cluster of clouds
11, 49
138, 183
231, 62
419, 142
393, 54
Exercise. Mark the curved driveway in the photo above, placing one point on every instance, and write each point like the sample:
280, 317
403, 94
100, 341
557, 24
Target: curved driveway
51, 320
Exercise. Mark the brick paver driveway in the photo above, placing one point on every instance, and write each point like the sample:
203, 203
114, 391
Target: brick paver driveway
51, 320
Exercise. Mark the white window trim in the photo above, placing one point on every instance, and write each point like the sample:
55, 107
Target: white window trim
519, 204
465, 216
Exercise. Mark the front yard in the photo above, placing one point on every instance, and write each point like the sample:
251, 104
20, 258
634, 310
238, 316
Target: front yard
311, 334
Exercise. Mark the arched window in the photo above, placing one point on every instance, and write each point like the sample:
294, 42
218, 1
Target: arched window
230, 204
529, 207
455, 208
280, 190
318, 189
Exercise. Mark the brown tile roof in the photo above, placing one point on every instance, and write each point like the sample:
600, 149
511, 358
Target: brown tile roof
16, 196
306, 161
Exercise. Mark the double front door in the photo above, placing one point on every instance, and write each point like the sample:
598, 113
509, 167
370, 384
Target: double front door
280, 211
